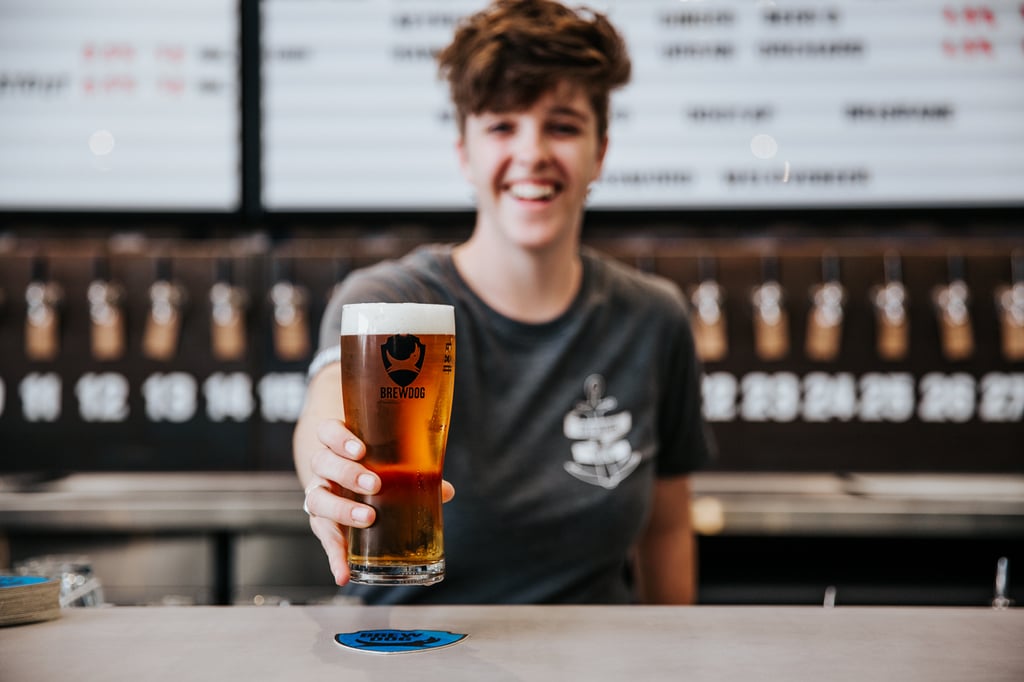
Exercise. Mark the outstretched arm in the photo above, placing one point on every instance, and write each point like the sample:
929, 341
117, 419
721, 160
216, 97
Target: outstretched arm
327, 462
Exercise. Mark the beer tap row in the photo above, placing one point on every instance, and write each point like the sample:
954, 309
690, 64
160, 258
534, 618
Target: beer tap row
827, 301
167, 299
761, 310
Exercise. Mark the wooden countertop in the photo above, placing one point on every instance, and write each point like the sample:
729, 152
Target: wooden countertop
564, 643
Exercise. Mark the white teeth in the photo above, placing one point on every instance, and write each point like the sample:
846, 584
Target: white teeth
531, 191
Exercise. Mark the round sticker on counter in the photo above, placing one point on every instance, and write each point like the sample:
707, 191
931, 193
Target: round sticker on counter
397, 641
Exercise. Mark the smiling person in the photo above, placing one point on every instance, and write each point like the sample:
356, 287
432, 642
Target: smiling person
577, 415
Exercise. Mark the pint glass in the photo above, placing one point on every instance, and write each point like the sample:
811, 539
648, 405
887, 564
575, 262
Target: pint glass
397, 376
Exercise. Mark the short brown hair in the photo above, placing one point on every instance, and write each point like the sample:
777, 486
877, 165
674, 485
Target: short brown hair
505, 57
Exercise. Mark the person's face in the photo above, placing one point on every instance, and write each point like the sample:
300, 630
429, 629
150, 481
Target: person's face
531, 169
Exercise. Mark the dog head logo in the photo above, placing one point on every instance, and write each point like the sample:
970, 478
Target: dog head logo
403, 356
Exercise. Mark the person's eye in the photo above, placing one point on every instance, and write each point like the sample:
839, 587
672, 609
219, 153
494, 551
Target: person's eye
499, 127
565, 129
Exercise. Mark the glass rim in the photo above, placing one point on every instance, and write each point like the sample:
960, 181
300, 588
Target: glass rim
397, 318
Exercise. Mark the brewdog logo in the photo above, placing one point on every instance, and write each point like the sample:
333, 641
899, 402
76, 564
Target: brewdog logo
397, 641
403, 356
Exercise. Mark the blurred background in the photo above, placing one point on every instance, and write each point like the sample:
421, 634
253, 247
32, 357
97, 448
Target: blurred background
837, 186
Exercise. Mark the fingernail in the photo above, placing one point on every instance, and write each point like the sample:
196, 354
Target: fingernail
367, 482
352, 447
361, 514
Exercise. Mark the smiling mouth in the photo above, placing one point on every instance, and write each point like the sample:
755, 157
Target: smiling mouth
532, 191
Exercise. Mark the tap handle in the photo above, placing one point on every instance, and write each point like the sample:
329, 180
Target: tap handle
889, 299
1001, 599
228, 304
43, 298
290, 315
829, 267
162, 269
707, 268
951, 302
956, 267
769, 269
106, 313
707, 319
167, 299
892, 266
1010, 305
825, 321
771, 321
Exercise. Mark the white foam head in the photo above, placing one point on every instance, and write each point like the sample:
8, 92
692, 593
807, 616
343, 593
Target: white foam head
397, 318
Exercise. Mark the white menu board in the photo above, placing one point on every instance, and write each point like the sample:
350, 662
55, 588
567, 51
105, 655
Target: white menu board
119, 105
733, 104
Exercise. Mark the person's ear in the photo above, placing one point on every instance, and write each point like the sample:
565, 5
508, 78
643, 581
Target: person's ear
602, 150
463, 157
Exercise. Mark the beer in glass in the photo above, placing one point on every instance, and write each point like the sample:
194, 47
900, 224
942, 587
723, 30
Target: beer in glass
397, 376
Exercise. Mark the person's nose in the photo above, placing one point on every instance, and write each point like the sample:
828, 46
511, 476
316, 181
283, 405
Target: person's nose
531, 147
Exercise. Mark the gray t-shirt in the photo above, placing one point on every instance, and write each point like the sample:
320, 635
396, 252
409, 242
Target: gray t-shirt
558, 430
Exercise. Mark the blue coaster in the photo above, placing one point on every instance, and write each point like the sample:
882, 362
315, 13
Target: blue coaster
397, 641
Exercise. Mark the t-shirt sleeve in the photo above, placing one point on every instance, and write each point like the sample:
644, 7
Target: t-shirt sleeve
361, 286
384, 282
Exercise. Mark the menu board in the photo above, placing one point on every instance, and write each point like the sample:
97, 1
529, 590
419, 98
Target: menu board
733, 104
119, 105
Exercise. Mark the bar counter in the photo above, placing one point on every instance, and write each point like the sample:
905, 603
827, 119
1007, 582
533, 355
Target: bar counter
591, 643
745, 503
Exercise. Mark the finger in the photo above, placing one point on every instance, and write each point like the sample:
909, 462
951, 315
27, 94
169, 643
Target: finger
335, 436
323, 502
447, 491
317, 482
332, 539
346, 473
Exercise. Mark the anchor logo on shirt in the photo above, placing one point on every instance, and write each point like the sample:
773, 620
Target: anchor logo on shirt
601, 455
